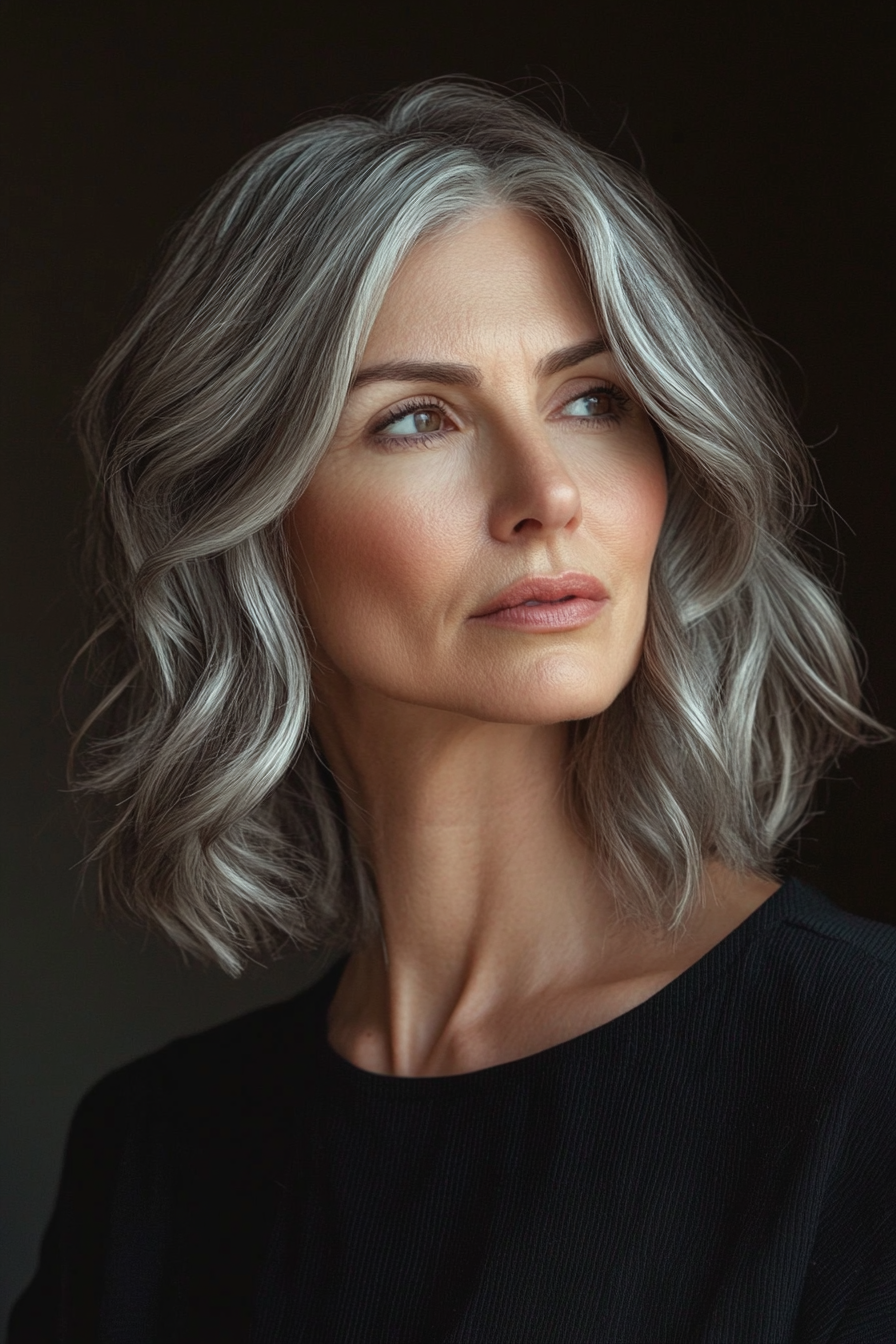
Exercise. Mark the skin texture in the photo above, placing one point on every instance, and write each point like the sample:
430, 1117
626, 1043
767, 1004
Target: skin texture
446, 733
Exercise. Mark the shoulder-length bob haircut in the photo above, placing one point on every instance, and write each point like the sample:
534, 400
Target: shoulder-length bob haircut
219, 819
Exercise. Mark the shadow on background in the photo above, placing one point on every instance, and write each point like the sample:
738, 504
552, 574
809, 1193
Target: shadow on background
764, 129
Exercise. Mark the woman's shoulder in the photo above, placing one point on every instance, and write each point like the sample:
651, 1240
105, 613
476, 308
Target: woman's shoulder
809, 981
220, 1101
829, 949
233, 1063
804, 906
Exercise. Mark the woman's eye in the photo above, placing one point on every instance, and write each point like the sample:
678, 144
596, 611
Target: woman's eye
591, 405
426, 421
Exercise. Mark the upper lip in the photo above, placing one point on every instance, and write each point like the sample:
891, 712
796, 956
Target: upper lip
545, 588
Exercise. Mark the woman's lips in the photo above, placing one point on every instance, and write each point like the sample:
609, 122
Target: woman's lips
549, 602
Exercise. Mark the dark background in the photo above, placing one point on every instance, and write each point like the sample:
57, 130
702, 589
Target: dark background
766, 126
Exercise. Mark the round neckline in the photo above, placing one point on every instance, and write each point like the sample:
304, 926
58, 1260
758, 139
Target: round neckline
789, 898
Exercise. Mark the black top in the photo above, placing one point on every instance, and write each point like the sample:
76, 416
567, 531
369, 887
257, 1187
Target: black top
718, 1164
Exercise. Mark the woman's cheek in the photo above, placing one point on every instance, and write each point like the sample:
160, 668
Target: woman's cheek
377, 554
627, 514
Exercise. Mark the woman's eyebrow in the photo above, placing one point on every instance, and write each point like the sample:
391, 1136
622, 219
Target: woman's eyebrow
570, 355
412, 371
466, 375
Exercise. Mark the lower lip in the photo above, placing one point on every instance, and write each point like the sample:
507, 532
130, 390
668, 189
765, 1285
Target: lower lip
569, 615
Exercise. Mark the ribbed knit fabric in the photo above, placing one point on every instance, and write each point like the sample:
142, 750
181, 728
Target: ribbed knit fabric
718, 1164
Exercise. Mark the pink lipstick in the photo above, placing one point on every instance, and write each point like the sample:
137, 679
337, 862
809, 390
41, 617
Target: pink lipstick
552, 602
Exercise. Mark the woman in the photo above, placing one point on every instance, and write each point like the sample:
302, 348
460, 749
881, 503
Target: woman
446, 527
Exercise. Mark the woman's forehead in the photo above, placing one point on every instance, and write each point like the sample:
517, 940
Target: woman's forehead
498, 277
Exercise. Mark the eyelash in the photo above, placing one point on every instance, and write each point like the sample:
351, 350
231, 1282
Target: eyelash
398, 413
613, 392
432, 404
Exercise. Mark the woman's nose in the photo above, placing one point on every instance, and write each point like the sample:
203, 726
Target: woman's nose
532, 488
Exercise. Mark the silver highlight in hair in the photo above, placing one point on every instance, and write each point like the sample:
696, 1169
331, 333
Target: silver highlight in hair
219, 821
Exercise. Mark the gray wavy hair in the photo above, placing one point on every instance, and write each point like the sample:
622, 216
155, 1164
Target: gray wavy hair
218, 820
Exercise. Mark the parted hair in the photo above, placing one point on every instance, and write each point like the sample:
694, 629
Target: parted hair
214, 814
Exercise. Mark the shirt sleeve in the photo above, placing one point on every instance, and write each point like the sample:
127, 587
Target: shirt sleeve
870, 1317
80, 1262
850, 1289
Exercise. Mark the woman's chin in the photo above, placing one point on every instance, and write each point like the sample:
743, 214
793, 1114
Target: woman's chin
551, 690
556, 690
535, 707
534, 715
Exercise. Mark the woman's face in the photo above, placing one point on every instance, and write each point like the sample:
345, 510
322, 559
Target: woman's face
488, 443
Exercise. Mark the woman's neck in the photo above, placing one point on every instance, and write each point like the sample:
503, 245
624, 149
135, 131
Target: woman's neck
499, 935
487, 894
465, 827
